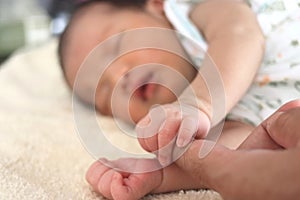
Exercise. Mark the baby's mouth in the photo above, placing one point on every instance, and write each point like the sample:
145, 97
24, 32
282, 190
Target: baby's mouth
146, 91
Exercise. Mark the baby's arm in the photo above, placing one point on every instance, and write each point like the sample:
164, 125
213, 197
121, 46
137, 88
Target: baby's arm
235, 44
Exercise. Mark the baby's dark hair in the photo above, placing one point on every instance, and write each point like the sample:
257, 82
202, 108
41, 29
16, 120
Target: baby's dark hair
134, 4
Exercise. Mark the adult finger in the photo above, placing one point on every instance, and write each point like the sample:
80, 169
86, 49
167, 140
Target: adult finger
284, 128
260, 138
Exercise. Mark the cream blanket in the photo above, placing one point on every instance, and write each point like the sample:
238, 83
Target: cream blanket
41, 156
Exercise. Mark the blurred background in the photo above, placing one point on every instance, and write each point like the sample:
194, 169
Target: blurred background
30, 22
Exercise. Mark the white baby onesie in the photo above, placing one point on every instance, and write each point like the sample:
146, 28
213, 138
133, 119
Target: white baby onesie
278, 78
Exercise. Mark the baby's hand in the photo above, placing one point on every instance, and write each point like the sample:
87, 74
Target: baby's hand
106, 178
158, 130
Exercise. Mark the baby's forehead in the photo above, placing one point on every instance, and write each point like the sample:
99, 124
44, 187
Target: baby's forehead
100, 11
87, 28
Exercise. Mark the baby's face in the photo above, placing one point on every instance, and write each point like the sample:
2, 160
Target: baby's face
136, 80
140, 79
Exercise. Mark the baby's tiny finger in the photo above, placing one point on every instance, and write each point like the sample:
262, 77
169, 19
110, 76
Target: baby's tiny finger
187, 131
105, 183
166, 139
95, 172
149, 125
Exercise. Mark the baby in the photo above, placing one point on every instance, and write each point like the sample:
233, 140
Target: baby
236, 45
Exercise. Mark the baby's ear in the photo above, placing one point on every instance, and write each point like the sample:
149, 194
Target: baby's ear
156, 7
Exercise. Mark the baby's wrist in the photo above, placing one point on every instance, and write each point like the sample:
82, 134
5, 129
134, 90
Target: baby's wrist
203, 103
199, 104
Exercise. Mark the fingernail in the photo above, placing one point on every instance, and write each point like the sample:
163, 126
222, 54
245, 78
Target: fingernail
164, 161
141, 126
181, 142
206, 148
272, 119
144, 122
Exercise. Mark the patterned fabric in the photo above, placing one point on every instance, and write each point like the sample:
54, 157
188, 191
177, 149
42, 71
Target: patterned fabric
191, 39
278, 79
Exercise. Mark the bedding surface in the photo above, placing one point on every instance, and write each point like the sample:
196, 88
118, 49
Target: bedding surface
41, 156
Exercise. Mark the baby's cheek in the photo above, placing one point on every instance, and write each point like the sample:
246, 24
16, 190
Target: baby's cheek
165, 96
138, 109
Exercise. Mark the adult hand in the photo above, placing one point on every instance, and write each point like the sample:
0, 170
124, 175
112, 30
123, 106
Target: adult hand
265, 166
280, 130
